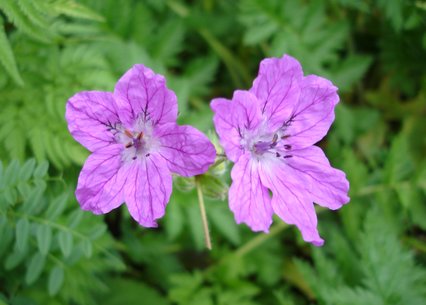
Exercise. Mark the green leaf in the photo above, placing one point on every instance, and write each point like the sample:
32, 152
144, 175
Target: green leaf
97, 231
87, 247
174, 220
22, 234
14, 259
44, 238
196, 225
41, 169
7, 58
74, 9
57, 206
65, 240
27, 169
56, 279
126, 291
224, 222
35, 268
350, 71
12, 172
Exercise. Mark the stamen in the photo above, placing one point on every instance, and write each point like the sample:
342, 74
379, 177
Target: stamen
277, 154
140, 135
286, 146
288, 156
285, 136
130, 144
128, 133
147, 155
275, 139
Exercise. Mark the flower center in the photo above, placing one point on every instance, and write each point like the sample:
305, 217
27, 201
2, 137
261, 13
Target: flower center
275, 146
138, 141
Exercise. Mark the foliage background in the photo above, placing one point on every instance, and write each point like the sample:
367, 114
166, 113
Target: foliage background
53, 253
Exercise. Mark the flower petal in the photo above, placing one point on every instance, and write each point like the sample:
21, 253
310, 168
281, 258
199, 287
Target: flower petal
233, 118
90, 115
277, 88
148, 190
187, 150
290, 201
248, 198
147, 95
101, 181
314, 114
329, 185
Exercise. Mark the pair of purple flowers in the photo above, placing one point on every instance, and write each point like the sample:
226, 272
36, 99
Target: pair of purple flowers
267, 131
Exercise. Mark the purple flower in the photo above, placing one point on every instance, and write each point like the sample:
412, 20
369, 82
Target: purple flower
269, 132
135, 144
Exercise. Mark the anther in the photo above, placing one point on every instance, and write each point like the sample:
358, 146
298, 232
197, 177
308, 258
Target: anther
275, 138
134, 158
130, 144
147, 155
277, 154
140, 135
286, 146
288, 156
285, 136
128, 133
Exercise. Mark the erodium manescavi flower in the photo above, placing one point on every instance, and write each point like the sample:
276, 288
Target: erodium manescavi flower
135, 144
269, 132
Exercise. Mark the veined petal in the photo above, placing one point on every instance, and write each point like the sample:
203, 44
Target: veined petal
101, 182
314, 114
290, 201
90, 116
188, 151
277, 88
248, 198
233, 118
147, 95
329, 185
148, 190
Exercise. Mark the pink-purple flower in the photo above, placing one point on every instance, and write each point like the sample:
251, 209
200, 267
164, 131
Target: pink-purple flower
270, 132
135, 144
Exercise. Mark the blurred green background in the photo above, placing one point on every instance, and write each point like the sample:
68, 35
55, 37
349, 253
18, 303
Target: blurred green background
51, 252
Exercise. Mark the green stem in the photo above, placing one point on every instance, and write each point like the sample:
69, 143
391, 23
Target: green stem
203, 214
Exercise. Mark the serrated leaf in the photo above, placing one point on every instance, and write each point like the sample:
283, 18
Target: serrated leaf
7, 58
44, 238
41, 169
65, 240
35, 268
350, 71
56, 279
22, 232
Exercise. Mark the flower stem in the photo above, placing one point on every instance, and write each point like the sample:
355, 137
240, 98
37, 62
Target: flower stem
203, 214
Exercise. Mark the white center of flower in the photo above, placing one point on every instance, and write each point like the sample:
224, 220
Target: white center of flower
138, 141
261, 143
